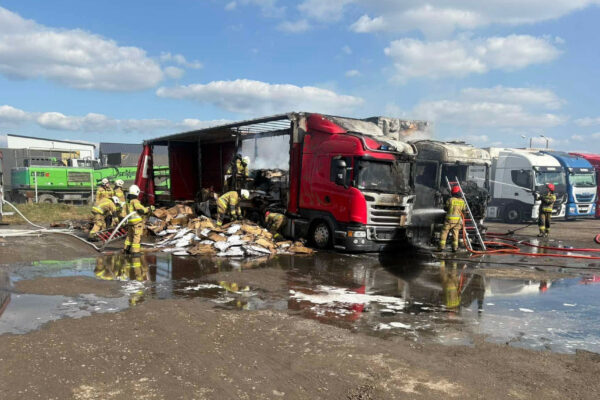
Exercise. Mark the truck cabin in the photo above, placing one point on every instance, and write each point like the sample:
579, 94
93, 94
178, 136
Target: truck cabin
313, 167
594, 160
439, 162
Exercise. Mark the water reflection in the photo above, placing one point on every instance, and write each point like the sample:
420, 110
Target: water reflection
418, 297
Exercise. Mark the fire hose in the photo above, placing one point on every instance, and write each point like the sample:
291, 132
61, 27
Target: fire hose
507, 248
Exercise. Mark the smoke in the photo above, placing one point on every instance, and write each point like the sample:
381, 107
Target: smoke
268, 152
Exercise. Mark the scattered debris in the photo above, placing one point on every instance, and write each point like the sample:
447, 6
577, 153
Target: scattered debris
182, 233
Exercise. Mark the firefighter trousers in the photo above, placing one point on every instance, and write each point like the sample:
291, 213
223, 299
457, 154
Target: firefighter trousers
134, 237
99, 225
454, 227
544, 221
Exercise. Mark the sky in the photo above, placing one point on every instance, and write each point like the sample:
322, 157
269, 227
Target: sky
492, 73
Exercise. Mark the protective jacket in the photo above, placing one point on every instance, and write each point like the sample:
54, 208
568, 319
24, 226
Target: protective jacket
134, 205
548, 200
454, 208
104, 193
104, 207
241, 169
120, 194
229, 201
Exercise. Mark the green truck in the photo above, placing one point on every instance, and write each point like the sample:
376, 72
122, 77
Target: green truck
76, 183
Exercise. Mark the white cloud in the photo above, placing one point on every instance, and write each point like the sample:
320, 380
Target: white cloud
11, 115
231, 6
98, 123
299, 26
478, 139
497, 107
485, 114
174, 72
347, 50
439, 17
526, 96
325, 10
180, 60
353, 73
461, 57
73, 58
255, 97
587, 121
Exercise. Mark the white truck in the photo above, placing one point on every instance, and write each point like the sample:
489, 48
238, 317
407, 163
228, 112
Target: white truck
516, 175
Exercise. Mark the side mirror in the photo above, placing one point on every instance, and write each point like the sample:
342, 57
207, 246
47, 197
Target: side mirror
340, 166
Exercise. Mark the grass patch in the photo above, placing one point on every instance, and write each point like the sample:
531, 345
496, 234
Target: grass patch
47, 213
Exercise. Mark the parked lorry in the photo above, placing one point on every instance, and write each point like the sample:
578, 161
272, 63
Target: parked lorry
593, 159
349, 185
440, 162
581, 184
516, 175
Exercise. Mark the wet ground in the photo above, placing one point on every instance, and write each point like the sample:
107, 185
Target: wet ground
425, 299
411, 312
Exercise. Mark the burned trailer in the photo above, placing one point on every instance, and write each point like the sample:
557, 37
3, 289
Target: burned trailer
347, 184
439, 162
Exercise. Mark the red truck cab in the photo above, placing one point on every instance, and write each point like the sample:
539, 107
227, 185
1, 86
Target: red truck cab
593, 159
351, 183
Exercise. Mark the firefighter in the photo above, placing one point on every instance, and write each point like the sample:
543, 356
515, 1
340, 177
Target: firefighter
453, 223
101, 211
104, 191
238, 171
229, 204
119, 190
275, 223
135, 227
545, 212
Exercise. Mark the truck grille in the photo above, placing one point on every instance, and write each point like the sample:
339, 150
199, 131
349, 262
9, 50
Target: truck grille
381, 214
584, 198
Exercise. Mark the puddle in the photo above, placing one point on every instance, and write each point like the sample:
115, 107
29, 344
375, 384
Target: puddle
419, 298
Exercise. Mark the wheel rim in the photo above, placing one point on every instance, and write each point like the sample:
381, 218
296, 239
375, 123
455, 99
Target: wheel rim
513, 215
321, 235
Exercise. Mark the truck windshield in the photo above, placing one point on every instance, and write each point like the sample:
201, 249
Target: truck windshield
583, 179
387, 177
478, 174
555, 177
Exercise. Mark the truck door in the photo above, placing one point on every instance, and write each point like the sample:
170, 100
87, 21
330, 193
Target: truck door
326, 194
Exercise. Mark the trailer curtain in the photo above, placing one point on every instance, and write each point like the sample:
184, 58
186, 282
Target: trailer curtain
144, 176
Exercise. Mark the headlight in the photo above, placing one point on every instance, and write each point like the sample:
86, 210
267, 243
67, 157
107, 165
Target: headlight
357, 234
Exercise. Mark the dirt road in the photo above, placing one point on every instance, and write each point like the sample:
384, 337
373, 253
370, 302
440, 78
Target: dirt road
186, 349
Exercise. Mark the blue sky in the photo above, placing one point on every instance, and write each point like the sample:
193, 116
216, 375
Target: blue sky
486, 72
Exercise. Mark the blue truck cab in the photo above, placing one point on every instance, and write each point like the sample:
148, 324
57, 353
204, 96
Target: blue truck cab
581, 184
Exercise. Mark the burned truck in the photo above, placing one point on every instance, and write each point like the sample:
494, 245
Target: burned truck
438, 162
349, 183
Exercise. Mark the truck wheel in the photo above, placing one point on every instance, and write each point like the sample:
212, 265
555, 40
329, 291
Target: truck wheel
512, 215
321, 235
48, 199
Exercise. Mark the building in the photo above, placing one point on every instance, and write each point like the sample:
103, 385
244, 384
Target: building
127, 154
82, 149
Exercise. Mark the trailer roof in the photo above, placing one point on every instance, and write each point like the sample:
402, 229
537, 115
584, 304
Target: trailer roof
274, 125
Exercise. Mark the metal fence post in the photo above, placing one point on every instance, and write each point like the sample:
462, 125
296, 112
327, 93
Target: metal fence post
36, 191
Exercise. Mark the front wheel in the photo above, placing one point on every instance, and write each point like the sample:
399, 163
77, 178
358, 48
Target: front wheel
321, 235
48, 199
512, 215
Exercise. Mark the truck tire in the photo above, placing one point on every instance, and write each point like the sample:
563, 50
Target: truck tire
321, 235
512, 214
47, 198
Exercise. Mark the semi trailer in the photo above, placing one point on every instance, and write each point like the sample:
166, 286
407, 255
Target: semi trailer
349, 181
581, 184
516, 175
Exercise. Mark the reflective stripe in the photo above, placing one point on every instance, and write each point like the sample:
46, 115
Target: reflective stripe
453, 218
97, 210
135, 220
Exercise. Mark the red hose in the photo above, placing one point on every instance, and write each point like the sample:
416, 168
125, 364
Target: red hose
512, 249
597, 238
493, 235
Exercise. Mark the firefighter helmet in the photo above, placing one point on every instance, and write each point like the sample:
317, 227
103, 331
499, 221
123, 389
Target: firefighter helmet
119, 183
245, 193
267, 214
116, 200
550, 186
104, 181
455, 190
246, 160
134, 190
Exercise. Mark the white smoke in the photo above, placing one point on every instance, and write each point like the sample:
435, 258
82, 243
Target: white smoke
271, 152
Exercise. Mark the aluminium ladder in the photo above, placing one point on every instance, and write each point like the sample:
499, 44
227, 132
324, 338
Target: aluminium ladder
469, 222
